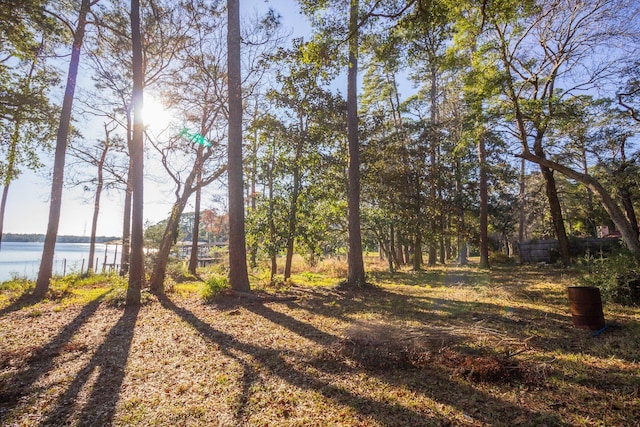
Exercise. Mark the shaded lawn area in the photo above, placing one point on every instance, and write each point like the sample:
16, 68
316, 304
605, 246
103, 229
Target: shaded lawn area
448, 346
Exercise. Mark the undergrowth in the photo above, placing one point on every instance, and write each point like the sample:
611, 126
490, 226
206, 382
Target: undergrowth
617, 276
213, 287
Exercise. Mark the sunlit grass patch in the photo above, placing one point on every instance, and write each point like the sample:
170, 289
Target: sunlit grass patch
308, 278
331, 267
185, 289
12, 289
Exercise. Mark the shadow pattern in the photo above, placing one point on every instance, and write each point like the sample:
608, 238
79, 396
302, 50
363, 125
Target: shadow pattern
42, 361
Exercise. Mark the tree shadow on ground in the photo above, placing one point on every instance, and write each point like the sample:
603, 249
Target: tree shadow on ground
432, 381
547, 331
42, 360
110, 360
27, 299
275, 362
344, 305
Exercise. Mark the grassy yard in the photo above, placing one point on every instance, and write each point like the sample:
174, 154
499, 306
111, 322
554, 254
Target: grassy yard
447, 346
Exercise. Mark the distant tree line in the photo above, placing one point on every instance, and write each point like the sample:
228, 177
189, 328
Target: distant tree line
30, 238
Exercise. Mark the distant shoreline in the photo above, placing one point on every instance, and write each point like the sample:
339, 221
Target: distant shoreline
39, 238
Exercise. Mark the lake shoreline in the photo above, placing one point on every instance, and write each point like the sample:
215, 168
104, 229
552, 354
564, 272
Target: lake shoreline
22, 259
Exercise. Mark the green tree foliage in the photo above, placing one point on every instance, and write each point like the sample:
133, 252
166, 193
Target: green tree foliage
27, 116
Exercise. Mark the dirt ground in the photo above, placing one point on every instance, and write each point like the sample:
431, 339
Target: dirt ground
413, 350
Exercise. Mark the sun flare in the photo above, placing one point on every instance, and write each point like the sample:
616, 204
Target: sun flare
155, 116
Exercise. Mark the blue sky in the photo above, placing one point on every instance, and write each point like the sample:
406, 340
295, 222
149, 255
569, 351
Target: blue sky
27, 205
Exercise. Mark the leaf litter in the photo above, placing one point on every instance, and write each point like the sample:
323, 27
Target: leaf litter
383, 356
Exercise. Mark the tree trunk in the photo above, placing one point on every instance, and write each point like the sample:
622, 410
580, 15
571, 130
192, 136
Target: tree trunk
195, 238
273, 252
355, 263
126, 218
624, 189
293, 210
253, 250
484, 204
461, 242
195, 234
433, 115
3, 204
392, 248
522, 204
591, 217
168, 237
96, 204
238, 275
407, 253
554, 204
627, 203
443, 226
417, 253
399, 254
126, 227
55, 204
433, 251
136, 155
171, 230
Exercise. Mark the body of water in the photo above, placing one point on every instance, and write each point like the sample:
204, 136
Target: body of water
23, 259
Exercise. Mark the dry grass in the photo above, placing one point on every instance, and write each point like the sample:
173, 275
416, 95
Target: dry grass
447, 346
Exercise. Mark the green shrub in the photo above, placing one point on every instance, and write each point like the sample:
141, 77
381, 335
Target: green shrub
617, 276
214, 286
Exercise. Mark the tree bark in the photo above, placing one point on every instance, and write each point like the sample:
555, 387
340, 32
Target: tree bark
627, 203
195, 234
96, 202
55, 204
591, 217
522, 204
293, 209
484, 204
3, 204
168, 237
433, 251
355, 263
136, 155
461, 241
624, 188
238, 275
554, 204
126, 227
417, 252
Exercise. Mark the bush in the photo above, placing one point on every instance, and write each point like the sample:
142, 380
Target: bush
617, 276
214, 286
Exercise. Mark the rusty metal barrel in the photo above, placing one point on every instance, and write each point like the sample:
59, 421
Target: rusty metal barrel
586, 307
